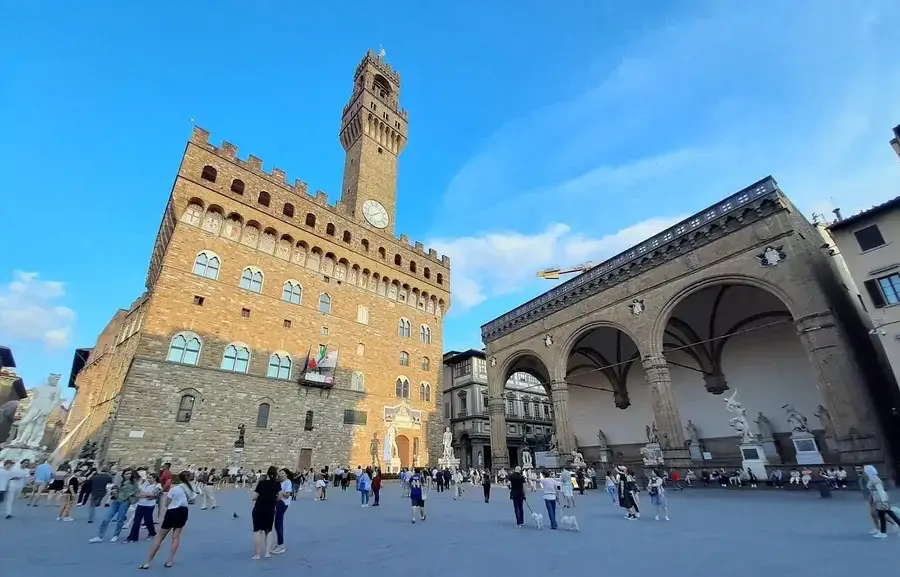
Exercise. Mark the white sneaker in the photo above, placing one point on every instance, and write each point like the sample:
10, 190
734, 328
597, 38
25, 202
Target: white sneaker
880, 535
114, 539
59, 518
95, 540
67, 519
874, 532
667, 519
657, 517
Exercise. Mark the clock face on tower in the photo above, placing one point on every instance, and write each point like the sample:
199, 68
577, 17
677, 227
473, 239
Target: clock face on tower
375, 213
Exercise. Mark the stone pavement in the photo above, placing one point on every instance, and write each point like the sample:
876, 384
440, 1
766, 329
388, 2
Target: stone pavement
729, 533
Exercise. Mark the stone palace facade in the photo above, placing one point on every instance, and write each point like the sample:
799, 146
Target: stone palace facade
739, 297
276, 328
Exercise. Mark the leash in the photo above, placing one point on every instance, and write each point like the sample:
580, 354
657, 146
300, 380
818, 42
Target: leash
530, 510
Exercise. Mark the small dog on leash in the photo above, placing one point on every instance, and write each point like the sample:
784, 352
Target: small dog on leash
569, 523
538, 520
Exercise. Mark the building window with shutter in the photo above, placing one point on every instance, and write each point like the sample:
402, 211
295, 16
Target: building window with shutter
884, 291
869, 238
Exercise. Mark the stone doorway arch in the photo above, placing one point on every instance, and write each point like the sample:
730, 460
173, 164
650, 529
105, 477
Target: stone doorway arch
403, 450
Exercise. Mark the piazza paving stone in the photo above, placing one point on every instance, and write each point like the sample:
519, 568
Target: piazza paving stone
735, 533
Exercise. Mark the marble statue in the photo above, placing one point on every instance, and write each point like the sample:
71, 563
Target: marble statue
554, 444
824, 417
44, 399
526, 459
448, 443
796, 420
739, 421
766, 431
373, 449
652, 433
390, 443
601, 437
240, 440
480, 459
579, 458
692, 433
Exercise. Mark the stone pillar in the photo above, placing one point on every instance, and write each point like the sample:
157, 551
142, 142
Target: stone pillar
497, 412
668, 420
842, 385
559, 394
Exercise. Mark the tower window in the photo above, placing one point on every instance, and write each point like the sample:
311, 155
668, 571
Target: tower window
209, 173
412, 266
347, 236
329, 229
264, 198
310, 219
427, 272
379, 150
382, 253
237, 186
440, 278
365, 244
288, 210
398, 260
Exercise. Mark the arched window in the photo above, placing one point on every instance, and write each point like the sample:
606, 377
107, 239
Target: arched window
425, 392
310, 219
237, 186
207, 265
357, 381
324, 303
382, 254
279, 366
398, 260
252, 279
236, 359
288, 210
427, 272
347, 236
365, 244
426, 364
184, 349
308, 422
425, 334
209, 173
440, 278
412, 266
404, 358
404, 328
264, 198
329, 229
362, 315
185, 409
262, 416
402, 388
292, 292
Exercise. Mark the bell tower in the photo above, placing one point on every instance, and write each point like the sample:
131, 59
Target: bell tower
373, 133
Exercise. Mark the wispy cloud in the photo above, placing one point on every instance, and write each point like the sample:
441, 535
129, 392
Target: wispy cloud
28, 311
691, 113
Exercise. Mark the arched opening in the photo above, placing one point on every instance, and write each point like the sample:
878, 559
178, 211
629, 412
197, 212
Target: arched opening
525, 377
740, 338
403, 450
310, 220
607, 392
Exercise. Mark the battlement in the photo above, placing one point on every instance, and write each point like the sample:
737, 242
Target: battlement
377, 60
278, 177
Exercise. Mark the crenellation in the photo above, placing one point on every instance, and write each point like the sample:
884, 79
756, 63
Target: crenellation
419, 248
321, 198
199, 136
279, 175
404, 239
299, 187
228, 150
433, 255
445, 261
255, 163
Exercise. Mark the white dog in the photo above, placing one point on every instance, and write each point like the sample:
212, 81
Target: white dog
538, 520
569, 522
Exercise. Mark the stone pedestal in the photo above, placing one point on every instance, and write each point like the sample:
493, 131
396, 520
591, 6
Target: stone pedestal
754, 458
547, 459
806, 448
770, 450
394, 465
18, 452
696, 453
451, 463
652, 455
605, 455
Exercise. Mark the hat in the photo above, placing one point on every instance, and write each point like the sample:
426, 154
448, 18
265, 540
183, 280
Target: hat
622, 469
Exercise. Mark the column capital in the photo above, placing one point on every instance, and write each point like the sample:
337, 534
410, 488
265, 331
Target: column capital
559, 386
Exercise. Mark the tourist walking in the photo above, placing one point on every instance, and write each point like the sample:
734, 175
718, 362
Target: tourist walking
565, 478
517, 495
265, 498
611, 488
880, 501
176, 501
486, 485
209, 490
376, 486
417, 495
364, 486
99, 486
121, 498
550, 486
69, 494
281, 506
43, 476
149, 490
656, 487
625, 490
12, 480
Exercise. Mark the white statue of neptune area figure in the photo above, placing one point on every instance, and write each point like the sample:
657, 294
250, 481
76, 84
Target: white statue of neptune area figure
44, 399
448, 443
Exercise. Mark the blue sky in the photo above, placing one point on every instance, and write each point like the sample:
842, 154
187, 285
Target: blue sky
539, 135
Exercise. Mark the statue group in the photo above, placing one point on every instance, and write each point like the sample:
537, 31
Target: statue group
44, 400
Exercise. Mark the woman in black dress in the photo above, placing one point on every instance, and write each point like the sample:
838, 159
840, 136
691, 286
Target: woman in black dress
264, 498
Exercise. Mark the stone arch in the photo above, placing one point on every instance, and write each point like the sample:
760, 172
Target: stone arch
403, 450
657, 334
299, 254
525, 361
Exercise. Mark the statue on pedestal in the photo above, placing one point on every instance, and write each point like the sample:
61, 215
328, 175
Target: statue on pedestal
579, 458
796, 421
652, 434
527, 463
739, 421
239, 444
601, 438
693, 435
447, 440
373, 449
766, 431
44, 400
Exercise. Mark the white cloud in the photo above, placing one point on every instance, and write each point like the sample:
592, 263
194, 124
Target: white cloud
495, 264
691, 113
28, 311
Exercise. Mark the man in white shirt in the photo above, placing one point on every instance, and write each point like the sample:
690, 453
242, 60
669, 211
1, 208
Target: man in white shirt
12, 479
